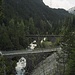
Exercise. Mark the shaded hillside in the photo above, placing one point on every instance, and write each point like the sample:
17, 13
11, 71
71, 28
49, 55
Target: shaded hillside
61, 12
32, 8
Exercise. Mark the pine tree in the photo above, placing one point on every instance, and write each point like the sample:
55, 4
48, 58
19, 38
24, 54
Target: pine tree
69, 41
14, 34
5, 42
1, 12
31, 26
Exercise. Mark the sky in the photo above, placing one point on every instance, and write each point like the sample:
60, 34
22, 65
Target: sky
65, 4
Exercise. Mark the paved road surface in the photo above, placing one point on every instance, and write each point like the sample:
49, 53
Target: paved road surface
20, 52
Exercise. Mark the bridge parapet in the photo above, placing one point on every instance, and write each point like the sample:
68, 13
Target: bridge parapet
44, 36
23, 52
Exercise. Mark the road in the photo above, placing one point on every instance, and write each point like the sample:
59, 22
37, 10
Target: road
20, 52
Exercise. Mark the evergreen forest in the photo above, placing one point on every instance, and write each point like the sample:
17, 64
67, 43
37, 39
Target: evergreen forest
19, 18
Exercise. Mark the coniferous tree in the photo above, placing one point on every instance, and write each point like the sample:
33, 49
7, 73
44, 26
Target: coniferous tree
5, 42
1, 13
14, 34
69, 45
21, 33
31, 26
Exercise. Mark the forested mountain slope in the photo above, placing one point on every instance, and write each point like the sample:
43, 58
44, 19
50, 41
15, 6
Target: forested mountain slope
27, 17
32, 8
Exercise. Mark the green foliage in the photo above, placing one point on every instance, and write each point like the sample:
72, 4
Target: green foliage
26, 9
71, 64
26, 17
6, 67
46, 44
1, 13
5, 42
69, 39
32, 28
1, 66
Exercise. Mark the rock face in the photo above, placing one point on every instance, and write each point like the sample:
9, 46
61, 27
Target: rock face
52, 65
72, 10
